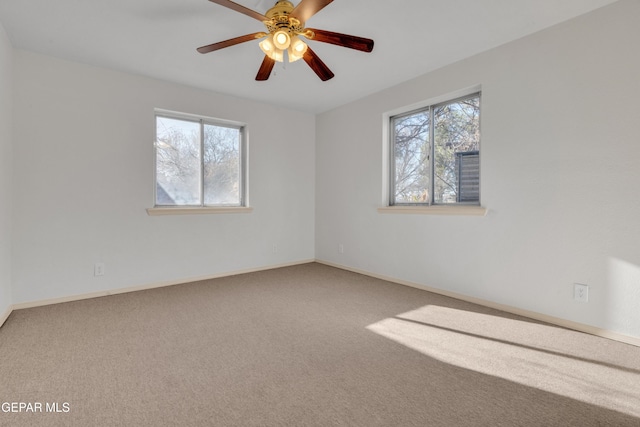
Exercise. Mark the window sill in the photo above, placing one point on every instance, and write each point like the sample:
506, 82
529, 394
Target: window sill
435, 210
198, 210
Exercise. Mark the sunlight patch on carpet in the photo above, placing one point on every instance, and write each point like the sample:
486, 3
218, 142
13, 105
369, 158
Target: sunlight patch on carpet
529, 354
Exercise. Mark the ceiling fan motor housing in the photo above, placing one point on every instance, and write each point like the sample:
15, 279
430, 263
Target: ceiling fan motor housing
282, 7
279, 19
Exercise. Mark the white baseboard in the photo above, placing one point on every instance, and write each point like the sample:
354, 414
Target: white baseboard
604, 333
70, 298
4, 316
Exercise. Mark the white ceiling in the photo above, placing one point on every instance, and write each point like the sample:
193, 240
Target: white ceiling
158, 38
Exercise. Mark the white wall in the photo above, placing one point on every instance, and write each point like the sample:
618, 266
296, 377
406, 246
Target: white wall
83, 177
6, 108
560, 177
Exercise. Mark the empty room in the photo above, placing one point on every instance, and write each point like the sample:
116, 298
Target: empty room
319, 213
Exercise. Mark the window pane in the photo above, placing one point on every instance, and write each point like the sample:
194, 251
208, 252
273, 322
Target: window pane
456, 148
222, 165
412, 153
177, 162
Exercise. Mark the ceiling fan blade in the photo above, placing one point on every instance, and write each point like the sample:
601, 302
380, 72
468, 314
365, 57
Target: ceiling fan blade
352, 42
317, 65
231, 42
265, 69
307, 8
239, 8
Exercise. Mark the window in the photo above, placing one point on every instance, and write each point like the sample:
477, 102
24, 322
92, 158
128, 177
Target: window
199, 162
435, 154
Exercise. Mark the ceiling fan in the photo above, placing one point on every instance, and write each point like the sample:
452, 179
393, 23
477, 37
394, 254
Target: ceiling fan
285, 24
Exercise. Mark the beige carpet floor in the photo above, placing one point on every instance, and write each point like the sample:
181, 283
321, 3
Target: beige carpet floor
308, 345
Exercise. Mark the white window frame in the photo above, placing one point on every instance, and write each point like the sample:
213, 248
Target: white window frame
242, 207
388, 184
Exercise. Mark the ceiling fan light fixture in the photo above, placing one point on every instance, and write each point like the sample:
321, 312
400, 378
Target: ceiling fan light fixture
269, 48
267, 45
296, 50
278, 55
281, 39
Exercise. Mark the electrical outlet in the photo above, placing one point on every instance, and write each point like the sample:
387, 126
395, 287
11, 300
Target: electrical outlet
341, 248
98, 269
580, 292
275, 248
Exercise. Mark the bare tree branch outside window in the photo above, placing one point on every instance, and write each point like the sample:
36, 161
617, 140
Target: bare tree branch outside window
428, 146
197, 163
